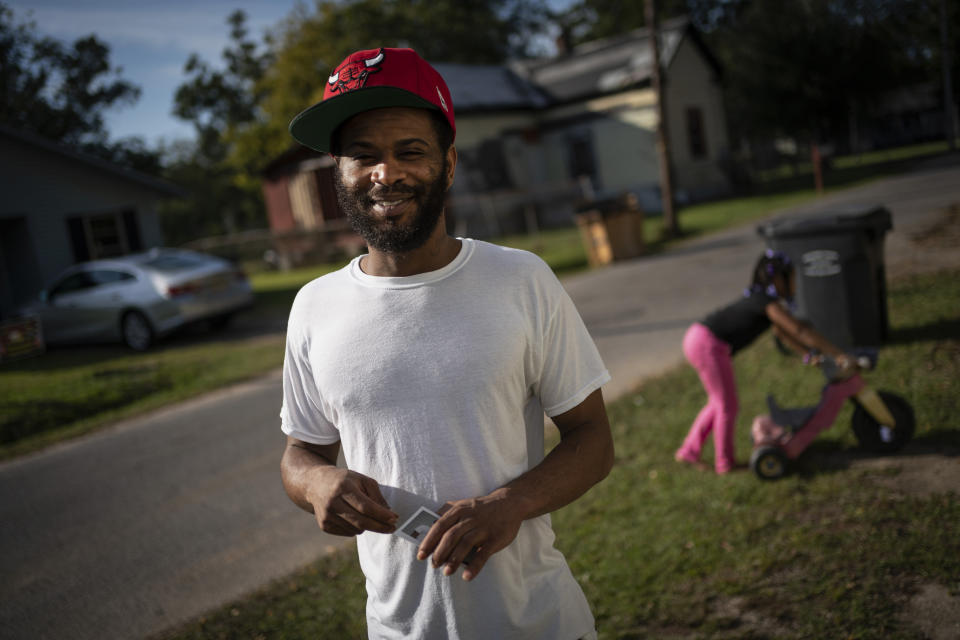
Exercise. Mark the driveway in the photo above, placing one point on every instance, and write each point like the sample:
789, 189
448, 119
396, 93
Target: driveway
150, 523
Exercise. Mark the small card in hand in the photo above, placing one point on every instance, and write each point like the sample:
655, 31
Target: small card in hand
416, 527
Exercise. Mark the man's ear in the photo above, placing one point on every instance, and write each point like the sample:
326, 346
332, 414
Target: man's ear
451, 165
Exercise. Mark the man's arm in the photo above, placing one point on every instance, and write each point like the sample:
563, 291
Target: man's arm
480, 527
344, 502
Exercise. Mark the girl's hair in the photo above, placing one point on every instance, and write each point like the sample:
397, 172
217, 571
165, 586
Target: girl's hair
769, 266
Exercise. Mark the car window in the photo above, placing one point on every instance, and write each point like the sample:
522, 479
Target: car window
109, 276
74, 282
172, 262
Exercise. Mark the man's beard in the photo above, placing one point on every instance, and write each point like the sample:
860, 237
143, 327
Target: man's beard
387, 236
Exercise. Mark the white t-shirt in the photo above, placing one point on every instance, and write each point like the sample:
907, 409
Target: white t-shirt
436, 385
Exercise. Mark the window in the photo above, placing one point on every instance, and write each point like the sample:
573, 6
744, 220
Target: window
304, 199
580, 155
104, 235
695, 135
74, 282
169, 263
103, 276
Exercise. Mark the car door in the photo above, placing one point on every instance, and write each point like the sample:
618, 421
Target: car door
112, 291
64, 316
88, 304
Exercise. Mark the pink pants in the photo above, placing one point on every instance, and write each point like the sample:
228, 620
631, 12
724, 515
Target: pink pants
710, 356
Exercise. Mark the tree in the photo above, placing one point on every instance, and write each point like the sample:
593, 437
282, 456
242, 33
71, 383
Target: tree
61, 92
588, 20
221, 103
816, 69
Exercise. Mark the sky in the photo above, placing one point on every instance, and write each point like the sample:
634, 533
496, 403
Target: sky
151, 41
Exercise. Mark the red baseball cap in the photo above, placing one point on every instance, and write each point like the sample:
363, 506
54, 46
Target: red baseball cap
372, 79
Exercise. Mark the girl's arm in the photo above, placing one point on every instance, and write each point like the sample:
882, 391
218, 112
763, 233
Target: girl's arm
795, 333
788, 341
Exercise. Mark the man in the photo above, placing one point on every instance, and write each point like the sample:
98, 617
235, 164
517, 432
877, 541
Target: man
432, 360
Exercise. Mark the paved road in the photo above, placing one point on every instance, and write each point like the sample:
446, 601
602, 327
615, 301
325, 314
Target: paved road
132, 530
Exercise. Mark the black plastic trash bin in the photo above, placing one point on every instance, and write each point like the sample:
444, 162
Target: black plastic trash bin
841, 280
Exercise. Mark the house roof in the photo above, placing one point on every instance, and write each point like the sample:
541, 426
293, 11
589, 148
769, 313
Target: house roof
489, 87
142, 179
608, 65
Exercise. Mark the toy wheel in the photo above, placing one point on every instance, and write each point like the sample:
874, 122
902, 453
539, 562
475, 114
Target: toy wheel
878, 438
769, 463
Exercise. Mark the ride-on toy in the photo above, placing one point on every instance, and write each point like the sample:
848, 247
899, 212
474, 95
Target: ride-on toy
882, 421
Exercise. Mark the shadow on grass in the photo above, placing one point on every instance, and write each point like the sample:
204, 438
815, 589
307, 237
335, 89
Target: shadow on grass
941, 330
830, 456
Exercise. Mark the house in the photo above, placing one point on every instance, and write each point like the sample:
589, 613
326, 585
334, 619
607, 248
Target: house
602, 119
537, 139
60, 207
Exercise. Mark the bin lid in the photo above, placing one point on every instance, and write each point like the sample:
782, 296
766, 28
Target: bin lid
862, 218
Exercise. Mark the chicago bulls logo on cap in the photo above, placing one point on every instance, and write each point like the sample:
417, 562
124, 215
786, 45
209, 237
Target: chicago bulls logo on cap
372, 79
353, 74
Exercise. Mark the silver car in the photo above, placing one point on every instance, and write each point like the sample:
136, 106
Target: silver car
141, 297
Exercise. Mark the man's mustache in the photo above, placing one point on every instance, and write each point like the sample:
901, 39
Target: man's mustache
381, 192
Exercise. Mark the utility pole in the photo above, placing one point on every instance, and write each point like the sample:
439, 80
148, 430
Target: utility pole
946, 59
671, 227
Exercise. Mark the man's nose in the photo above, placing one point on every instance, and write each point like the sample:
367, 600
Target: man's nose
388, 172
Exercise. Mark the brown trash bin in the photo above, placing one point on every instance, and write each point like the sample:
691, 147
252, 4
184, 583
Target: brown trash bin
612, 230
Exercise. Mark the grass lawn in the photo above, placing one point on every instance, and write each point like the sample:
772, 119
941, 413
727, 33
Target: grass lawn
663, 550
69, 392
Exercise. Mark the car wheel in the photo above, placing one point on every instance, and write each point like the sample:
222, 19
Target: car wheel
878, 438
136, 331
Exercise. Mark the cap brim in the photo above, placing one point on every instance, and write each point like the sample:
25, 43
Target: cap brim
314, 127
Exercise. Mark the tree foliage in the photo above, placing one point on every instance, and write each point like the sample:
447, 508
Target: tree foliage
221, 103
61, 91
810, 69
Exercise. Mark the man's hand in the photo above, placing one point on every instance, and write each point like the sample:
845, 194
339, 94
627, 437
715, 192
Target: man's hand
344, 502
347, 503
470, 531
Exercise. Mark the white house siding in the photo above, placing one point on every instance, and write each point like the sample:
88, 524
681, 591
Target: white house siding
474, 128
692, 83
622, 129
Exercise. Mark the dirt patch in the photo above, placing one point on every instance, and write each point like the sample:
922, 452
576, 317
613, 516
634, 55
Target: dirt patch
930, 248
919, 475
935, 612
751, 622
